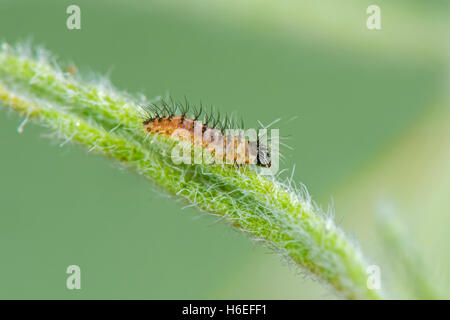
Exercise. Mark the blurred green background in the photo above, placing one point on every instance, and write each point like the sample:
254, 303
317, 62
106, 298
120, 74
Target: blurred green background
367, 113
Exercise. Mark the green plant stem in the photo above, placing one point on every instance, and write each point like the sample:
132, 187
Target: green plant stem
108, 122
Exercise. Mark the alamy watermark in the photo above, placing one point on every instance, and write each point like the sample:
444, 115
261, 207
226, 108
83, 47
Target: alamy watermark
374, 19
374, 277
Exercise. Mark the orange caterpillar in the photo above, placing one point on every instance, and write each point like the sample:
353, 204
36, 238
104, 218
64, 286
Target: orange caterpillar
229, 148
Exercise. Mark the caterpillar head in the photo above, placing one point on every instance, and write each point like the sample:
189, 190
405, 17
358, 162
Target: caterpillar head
263, 158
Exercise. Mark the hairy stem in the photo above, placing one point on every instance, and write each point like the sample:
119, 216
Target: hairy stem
409, 267
97, 116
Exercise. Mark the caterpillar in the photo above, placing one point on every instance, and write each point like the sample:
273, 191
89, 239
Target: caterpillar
210, 134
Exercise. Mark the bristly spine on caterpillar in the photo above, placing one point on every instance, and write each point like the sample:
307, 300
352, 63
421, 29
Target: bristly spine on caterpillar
181, 121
